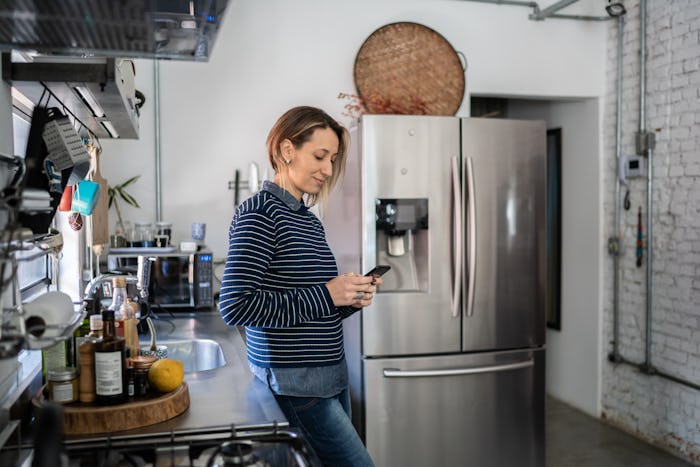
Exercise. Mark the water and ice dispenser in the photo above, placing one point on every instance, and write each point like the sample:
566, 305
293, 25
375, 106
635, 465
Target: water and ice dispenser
402, 243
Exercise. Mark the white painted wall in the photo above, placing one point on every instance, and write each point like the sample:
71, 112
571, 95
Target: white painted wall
275, 54
573, 353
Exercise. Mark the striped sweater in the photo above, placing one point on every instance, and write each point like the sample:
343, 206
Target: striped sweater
274, 283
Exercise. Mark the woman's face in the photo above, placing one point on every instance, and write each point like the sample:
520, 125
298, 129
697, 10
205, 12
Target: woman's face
312, 164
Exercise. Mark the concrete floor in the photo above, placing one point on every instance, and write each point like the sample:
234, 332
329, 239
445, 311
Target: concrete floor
575, 439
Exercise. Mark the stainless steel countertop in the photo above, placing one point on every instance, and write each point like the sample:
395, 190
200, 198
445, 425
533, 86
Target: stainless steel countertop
225, 396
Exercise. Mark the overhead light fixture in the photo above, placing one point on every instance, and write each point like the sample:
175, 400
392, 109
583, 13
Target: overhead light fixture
615, 9
110, 128
87, 97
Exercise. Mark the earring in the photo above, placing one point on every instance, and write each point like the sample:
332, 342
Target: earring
287, 161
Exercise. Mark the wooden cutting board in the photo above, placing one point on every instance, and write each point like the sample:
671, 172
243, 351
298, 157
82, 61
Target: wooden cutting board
88, 419
100, 214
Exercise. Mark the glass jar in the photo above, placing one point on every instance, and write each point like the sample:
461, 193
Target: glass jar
63, 385
141, 364
143, 235
163, 234
120, 237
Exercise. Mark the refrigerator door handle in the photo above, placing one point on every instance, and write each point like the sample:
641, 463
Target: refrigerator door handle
456, 237
396, 373
471, 219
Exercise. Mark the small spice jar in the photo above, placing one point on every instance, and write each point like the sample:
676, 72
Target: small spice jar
141, 364
63, 385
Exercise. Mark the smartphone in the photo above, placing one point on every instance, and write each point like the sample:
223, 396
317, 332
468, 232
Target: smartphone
378, 270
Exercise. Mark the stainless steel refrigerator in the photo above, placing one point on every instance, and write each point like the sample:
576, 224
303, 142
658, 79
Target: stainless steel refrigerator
447, 365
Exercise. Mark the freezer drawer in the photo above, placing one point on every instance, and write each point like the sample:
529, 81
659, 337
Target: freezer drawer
484, 410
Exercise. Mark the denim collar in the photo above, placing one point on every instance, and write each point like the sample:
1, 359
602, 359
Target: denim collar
286, 197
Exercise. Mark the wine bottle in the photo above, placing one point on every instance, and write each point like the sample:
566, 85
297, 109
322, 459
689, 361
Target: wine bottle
110, 364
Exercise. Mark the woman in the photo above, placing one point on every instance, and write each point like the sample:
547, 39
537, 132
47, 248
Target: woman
281, 282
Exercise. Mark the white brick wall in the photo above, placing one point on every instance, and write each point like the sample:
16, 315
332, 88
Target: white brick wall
654, 408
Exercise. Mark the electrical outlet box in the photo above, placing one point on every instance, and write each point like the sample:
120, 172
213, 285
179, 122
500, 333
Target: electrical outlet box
631, 166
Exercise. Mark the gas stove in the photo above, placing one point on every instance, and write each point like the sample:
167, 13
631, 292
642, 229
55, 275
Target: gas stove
210, 447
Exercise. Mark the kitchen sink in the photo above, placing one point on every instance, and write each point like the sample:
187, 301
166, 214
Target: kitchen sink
195, 354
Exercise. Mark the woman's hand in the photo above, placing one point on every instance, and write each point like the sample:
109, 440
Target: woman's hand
353, 289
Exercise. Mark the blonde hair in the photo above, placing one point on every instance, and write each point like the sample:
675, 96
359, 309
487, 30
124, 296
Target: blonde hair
297, 125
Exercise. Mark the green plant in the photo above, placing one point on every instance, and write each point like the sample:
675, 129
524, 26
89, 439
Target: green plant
118, 192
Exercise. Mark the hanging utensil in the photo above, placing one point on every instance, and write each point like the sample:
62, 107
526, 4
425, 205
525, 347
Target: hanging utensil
253, 178
160, 351
236, 188
152, 330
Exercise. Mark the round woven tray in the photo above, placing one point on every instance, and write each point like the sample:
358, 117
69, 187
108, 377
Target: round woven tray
407, 68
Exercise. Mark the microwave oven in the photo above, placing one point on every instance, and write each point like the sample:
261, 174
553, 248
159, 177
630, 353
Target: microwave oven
178, 280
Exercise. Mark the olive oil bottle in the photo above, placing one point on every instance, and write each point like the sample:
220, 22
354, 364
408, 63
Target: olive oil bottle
110, 364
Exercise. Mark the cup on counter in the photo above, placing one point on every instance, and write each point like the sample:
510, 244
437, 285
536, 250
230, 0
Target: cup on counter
199, 230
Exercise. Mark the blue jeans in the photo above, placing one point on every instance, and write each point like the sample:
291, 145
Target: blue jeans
326, 423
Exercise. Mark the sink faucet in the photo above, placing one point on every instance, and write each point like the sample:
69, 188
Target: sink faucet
141, 279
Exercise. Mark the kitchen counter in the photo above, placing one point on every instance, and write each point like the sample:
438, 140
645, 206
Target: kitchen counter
222, 396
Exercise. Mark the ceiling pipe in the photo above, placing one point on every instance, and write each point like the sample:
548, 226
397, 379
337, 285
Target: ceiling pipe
537, 14
550, 10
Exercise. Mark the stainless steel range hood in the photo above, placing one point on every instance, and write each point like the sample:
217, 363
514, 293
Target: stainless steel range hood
100, 92
162, 29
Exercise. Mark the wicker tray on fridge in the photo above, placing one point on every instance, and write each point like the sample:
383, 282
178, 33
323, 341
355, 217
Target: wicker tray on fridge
408, 68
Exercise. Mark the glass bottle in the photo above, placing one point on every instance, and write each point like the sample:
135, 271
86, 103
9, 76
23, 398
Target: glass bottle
87, 359
80, 334
110, 364
130, 323
119, 296
54, 357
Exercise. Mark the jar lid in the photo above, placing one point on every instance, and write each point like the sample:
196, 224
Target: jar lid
62, 374
143, 361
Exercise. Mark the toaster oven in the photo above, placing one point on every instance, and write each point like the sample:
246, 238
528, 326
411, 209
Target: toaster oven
178, 280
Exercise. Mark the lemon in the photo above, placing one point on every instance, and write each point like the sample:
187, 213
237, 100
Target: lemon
166, 374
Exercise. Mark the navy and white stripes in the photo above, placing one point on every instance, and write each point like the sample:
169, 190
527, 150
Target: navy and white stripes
274, 283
